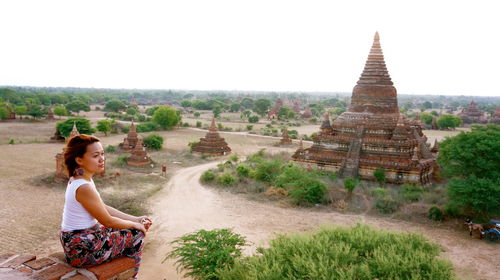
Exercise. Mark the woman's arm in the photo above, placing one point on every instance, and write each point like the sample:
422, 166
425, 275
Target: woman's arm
119, 214
93, 203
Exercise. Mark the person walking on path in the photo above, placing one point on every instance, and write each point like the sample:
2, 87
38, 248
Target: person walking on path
91, 231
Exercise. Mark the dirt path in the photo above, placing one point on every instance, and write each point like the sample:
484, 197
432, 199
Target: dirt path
185, 206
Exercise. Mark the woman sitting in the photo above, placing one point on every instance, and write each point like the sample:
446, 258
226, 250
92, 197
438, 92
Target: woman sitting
91, 231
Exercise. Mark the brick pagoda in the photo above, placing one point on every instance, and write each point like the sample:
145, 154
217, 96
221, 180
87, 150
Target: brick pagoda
212, 144
372, 134
285, 139
50, 114
139, 156
495, 118
130, 141
472, 114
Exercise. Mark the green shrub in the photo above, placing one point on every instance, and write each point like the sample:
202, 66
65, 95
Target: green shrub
249, 126
203, 253
186, 124
267, 170
359, 253
379, 175
308, 190
147, 127
234, 158
207, 176
253, 119
243, 170
126, 129
226, 179
411, 192
289, 176
198, 124
386, 205
121, 160
453, 210
435, 214
379, 192
350, 184
154, 141
12, 142
110, 149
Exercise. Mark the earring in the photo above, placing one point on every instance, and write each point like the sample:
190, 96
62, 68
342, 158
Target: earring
79, 171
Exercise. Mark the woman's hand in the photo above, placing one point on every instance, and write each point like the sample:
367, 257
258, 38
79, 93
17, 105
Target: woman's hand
145, 220
140, 227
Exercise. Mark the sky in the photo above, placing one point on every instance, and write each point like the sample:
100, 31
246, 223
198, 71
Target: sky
430, 47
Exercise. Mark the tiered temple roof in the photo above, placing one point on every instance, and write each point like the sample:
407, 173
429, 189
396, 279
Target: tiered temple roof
273, 113
372, 134
212, 143
50, 114
130, 141
139, 156
472, 114
495, 118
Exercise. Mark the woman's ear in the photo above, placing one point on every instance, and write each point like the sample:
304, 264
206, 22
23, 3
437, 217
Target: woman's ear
79, 160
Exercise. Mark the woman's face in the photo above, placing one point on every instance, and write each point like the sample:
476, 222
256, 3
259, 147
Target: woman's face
93, 159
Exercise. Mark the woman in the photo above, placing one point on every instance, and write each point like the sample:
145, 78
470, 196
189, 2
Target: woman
91, 231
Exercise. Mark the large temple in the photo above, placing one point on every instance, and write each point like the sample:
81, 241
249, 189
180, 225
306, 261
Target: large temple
472, 114
372, 134
212, 144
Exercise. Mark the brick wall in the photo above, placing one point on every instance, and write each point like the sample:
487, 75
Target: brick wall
53, 267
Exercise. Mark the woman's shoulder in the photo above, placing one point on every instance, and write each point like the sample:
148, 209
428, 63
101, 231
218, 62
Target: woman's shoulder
76, 182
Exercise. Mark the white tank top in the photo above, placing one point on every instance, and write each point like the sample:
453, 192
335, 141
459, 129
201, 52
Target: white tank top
74, 215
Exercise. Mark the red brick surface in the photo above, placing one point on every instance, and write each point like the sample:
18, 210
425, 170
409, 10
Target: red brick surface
24, 269
54, 272
18, 260
39, 264
107, 270
78, 277
5, 257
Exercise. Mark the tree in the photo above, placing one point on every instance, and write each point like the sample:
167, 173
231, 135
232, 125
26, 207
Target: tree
350, 184
217, 110
60, 110
471, 161
35, 111
132, 110
427, 105
196, 114
186, 103
235, 107
449, 121
82, 124
151, 111
247, 113
20, 110
253, 119
104, 126
379, 175
434, 113
247, 103
262, 106
114, 105
77, 106
426, 118
166, 117
3, 112
153, 141
283, 112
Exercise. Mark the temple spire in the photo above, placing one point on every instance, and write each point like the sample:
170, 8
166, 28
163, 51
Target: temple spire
374, 91
213, 127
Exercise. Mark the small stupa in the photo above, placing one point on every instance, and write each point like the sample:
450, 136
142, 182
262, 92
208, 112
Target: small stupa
130, 141
212, 144
139, 156
50, 114
285, 139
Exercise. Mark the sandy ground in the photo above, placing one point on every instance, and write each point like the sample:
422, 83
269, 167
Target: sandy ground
30, 215
185, 206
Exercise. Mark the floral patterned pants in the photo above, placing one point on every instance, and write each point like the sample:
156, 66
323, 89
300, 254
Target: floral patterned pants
99, 244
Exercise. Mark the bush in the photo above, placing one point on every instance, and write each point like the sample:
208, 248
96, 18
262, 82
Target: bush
234, 158
360, 253
153, 141
126, 129
379, 175
208, 176
147, 127
186, 124
198, 124
379, 192
268, 170
11, 142
411, 192
121, 160
435, 214
350, 184
110, 149
203, 253
249, 126
226, 179
308, 190
253, 119
386, 205
243, 170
